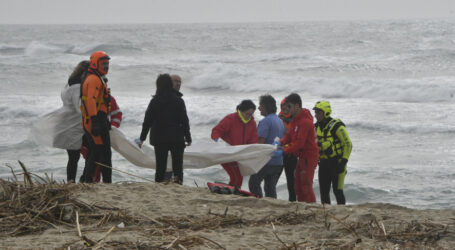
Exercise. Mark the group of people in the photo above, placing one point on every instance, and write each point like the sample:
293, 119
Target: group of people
301, 144
82, 125
91, 102
88, 101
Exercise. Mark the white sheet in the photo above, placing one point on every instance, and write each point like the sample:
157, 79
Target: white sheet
251, 158
62, 128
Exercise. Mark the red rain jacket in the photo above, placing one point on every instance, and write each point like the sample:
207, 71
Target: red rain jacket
115, 114
300, 138
233, 131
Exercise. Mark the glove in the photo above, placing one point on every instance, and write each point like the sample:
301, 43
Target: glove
341, 166
278, 153
96, 126
276, 142
216, 140
138, 142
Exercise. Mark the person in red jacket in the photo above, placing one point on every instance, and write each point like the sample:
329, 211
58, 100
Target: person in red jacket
238, 128
289, 160
300, 140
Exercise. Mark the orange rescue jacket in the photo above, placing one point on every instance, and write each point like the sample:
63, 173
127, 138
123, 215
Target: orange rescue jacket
94, 97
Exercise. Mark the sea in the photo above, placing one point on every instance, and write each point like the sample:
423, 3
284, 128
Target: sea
392, 82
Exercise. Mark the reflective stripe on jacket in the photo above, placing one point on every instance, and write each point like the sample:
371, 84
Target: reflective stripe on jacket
94, 97
115, 114
333, 140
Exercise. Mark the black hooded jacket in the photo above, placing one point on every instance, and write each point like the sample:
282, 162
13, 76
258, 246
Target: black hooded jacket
167, 120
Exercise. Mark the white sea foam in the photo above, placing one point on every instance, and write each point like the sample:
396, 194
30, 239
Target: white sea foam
36, 48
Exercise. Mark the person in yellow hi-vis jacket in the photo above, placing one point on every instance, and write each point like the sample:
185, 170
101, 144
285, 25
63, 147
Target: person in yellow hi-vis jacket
334, 151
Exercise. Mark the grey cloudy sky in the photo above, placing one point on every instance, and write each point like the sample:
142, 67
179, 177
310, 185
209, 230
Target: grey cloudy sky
182, 11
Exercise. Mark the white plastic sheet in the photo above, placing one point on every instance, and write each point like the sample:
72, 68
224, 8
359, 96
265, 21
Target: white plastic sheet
251, 158
62, 128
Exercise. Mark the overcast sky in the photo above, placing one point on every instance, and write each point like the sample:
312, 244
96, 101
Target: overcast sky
184, 11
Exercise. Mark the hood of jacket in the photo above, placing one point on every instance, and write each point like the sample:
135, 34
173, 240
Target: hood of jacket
304, 114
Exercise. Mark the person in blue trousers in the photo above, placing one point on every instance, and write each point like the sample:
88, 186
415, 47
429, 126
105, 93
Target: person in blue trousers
269, 128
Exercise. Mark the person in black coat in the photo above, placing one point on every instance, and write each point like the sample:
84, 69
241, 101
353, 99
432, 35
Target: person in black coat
168, 123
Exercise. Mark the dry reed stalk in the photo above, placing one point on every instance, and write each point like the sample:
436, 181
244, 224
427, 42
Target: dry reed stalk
383, 228
276, 235
172, 243
118, 170
214, 242
352, 230
12, 171
152, 219
78, 226
105, 235
27, 177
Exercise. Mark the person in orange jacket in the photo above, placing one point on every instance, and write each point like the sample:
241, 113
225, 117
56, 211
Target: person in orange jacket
300, 140
115, 116
238, 128
95, 100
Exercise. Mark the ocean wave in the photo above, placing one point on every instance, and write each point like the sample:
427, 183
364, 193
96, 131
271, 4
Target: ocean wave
240, 78
247, 59
39, 48
9, 50
356, 193
361, 194
36, 48
236, 78
18, 117
11, 113
434, 89
112, 48
415, 129
427, 55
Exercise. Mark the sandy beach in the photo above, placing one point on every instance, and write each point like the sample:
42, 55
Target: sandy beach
170, 216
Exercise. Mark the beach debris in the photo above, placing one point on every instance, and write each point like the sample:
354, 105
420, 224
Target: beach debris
37, 204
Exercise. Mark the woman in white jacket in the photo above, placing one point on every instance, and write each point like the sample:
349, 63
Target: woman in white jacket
62, 127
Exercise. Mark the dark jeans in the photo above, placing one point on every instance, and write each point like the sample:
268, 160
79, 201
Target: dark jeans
71, 167
169, 175
270, 174
290, 162
329, 176
161, 153
98, 153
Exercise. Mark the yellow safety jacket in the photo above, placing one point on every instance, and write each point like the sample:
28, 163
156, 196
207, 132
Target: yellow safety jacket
333, 140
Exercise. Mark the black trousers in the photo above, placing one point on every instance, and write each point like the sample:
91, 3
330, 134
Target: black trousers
290, 162
328, 176
161, 154
98, 153
71, 166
